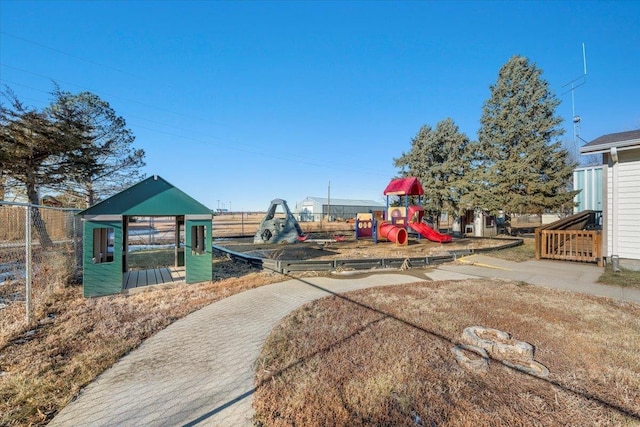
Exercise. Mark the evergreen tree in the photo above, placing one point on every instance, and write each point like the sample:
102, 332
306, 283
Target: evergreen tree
33, 151
76, 145
440, 159
105, 161
521, 166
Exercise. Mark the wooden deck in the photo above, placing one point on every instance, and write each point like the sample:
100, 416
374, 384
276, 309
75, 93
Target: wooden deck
570, 245
156, 276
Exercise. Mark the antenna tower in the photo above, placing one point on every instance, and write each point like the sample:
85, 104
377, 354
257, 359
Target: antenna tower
576, 83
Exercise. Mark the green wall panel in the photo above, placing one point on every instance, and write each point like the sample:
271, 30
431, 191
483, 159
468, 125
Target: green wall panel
198, 267
102, 278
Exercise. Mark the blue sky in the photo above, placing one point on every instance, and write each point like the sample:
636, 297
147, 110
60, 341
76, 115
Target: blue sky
238, 103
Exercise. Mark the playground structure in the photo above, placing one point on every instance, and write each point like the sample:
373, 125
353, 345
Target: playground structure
278, 229
394, 223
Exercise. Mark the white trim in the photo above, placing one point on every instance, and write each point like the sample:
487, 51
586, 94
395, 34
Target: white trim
584, 168
196, 217
606, 148
102, 218
614, 201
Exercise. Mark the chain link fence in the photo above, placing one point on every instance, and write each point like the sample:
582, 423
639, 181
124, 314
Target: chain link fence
245, 224
40, 248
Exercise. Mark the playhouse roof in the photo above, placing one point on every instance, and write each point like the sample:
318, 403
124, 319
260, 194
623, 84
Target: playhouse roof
151, 197
409, 186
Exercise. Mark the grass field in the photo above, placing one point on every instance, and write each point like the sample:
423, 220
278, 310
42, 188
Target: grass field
72, 340
141, 260
246, 224
75, 339
524, 252
383, 357
624, 277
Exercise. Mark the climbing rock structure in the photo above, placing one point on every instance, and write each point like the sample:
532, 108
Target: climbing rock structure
483, 344
278, 228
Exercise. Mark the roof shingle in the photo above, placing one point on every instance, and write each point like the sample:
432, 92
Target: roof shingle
618, 140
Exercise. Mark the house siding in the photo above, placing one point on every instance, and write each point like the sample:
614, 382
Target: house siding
628, 205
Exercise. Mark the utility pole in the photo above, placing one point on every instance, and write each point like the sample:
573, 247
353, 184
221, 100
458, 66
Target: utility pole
329, 202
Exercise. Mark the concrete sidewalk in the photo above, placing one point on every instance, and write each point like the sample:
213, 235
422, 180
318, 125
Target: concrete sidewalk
570, 276
200, 369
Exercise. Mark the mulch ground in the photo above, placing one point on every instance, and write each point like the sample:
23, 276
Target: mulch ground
322, 246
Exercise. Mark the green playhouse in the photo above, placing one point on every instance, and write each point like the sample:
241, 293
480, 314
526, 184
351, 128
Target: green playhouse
106, 231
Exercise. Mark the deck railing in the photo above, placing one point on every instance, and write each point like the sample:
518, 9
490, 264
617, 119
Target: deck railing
570, 245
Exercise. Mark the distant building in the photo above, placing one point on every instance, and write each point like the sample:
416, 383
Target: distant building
316, 208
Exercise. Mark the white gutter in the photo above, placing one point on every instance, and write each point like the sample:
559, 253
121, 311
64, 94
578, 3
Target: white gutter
605, 148
614, 203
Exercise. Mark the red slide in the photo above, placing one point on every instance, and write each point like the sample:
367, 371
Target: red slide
430, 233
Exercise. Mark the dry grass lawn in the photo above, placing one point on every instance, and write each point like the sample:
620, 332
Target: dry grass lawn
383, 357
624, 277
75, 339
348, 362
524, 252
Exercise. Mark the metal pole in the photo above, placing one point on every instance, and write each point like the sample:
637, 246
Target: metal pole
329, 202
151, 240
28, 266
76, 264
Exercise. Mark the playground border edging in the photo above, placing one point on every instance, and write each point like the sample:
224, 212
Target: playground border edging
288, 266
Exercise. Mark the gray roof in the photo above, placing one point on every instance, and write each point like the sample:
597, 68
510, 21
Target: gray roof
621, 140
343, 202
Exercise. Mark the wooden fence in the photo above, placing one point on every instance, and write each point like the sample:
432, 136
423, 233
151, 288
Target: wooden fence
570, 245
59, 223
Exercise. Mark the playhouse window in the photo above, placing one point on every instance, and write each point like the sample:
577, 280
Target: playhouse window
102, 245
198, 238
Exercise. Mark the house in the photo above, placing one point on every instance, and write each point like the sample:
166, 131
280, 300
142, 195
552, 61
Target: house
621, 195
106, 237
316, 208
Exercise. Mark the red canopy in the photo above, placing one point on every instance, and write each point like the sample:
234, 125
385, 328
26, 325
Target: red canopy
404, 187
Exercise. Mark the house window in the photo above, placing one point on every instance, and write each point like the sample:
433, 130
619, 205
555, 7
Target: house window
198, 238
102, 245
